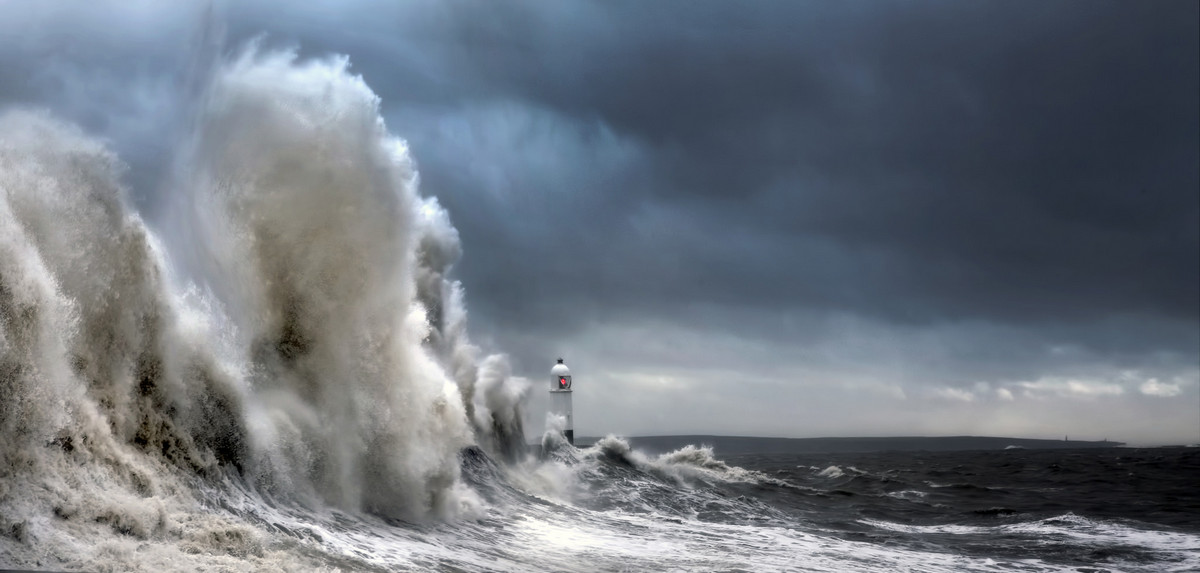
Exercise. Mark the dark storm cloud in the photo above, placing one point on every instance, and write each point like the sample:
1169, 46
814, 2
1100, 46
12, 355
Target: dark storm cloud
936, 161
917, 163
119, 70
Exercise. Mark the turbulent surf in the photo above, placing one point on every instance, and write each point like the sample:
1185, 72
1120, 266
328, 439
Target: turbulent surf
278, 376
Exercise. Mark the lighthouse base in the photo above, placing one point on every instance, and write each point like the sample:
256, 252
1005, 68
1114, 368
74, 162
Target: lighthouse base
570, 436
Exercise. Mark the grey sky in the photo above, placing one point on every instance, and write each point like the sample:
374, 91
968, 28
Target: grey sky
795, 219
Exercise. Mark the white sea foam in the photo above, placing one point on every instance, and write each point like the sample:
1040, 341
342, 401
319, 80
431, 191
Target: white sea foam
909, 494
685, 465
1183, 548
831, 472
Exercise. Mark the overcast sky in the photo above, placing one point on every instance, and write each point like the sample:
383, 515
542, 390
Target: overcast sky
761, 218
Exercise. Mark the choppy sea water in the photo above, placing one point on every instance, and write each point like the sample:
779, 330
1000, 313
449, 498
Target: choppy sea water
609, 508
1117, 509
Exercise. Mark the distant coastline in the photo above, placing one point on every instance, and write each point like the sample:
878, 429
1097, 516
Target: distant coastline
727, 445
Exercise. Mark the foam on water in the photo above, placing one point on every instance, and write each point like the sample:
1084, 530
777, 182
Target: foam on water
685, 465
1179, 551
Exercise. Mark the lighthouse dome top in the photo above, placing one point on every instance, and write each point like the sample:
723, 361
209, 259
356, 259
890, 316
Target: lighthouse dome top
560, 369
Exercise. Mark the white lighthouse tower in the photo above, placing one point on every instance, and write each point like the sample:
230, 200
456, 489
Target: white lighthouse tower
560, 398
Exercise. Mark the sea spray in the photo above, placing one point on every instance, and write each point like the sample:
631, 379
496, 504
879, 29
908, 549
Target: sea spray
308, 210
497, 408
320, 358
491, 394
105, 397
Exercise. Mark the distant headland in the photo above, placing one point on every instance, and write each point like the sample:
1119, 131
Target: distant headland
727, 445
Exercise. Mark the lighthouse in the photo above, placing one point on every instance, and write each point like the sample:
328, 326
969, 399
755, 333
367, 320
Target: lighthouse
560, 398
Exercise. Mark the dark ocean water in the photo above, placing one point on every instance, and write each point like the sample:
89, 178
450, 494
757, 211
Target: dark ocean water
1083, 509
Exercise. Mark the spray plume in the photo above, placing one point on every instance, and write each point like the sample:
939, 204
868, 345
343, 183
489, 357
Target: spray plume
320, 354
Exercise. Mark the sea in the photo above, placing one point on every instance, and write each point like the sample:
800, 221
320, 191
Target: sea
608, 507
271, 370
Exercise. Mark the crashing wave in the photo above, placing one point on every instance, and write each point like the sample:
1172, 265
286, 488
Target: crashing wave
686, 465
321, 355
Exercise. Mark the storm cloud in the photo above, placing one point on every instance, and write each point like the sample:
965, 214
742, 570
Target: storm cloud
761, 218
